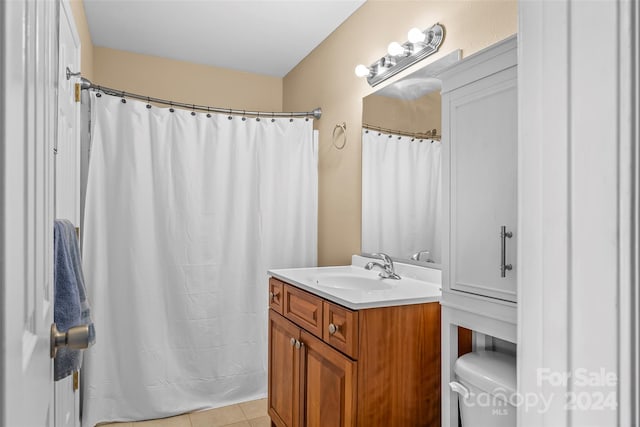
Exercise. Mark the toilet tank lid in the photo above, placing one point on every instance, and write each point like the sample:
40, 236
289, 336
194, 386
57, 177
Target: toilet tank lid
489, 371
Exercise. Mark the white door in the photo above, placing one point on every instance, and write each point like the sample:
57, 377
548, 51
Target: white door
67, 159
28, 57
67, 179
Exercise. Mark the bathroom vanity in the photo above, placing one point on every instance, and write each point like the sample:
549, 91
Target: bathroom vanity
347, 348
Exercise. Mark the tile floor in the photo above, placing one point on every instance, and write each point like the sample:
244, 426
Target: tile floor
247, 414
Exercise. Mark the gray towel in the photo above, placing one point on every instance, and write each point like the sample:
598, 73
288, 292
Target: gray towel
71, 307
74, 252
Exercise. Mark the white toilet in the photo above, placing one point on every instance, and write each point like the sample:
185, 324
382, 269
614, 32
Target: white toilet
486, 384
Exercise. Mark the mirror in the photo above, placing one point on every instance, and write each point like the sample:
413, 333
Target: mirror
401, 167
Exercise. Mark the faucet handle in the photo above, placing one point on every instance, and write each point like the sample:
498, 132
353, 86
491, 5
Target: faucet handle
386, 258
416, 256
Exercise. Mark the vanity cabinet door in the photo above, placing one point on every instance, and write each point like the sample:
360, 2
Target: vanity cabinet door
341, 329
329, 385
303, 308
284, 372
276, 291
480, 175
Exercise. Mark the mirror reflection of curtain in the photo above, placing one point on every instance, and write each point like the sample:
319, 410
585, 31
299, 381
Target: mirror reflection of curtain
401, 195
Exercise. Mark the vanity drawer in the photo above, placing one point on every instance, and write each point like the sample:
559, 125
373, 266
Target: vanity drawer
304, 309
341, 329
275, 295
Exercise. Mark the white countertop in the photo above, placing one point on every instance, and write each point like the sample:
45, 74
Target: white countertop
417, 284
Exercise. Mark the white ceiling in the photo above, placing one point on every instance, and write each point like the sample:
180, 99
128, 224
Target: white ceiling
259, 36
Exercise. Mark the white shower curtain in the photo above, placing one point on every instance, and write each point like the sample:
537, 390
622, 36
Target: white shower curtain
401, 195
184, 215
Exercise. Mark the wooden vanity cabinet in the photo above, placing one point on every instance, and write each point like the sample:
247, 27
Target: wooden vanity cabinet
328, 385
284, 371
310, 384
275, 295
369, 367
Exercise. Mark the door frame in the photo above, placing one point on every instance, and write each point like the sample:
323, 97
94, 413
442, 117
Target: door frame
67, 180
578, 206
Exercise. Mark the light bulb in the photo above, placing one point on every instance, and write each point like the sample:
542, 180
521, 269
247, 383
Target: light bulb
416, 35
395, 49
362, 70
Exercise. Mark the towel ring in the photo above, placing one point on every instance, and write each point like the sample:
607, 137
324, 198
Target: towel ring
342, 126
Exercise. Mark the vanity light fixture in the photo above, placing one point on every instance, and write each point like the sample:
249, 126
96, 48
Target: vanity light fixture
396, 49
400, 56
416, 35
362, 71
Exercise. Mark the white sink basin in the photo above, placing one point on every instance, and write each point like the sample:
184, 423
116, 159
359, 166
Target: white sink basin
353, 282
354, 287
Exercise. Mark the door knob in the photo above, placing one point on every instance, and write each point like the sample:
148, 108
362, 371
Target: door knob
76, 338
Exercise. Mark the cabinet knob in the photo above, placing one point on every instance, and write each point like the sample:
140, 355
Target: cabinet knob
272, 296
293, 341
332, 329
299, 344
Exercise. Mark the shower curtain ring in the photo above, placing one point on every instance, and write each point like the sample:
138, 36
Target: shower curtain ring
208, 112
230, 117
193, 108
171, 107
124, 101
291, 118
258, 118
243, 115
148, 104
273, 117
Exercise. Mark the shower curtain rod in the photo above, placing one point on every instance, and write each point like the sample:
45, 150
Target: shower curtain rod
85, 84
432, 134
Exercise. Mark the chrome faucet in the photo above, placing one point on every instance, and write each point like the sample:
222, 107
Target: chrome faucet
388, 271
417, 255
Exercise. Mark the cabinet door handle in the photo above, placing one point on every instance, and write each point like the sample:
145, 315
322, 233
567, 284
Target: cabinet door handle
504, 234
332, 329
293, 341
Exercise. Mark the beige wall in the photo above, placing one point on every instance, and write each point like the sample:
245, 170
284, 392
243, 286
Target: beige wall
325, 78
86, 54
186, 82
175, 80
413, 116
